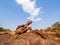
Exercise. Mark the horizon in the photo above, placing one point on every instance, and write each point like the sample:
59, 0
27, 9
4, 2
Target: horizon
13, 13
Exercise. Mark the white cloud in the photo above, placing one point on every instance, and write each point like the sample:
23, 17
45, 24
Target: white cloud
29, 7
38, 19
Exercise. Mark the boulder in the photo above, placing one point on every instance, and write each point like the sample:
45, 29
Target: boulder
23, 28
26, 39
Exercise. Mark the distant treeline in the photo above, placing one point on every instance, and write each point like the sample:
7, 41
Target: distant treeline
3, 29
54, 28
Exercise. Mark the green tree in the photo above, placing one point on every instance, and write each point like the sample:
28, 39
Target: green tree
56, 25
1, 29
56, 28
48, 29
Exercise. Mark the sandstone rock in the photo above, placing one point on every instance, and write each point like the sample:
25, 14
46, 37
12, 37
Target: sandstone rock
26, 36
23, 28
51, 42
26, 39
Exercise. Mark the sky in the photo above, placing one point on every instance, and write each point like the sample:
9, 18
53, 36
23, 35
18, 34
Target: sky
43, 13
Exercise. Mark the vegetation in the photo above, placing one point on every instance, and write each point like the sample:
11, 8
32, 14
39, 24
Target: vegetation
54, 29
5, 30
1, 29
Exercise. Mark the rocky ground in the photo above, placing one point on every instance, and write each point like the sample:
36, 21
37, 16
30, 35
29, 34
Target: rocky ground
24, 35
26, 39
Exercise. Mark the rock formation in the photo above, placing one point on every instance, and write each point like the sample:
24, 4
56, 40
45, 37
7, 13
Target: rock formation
33, 37
23, 28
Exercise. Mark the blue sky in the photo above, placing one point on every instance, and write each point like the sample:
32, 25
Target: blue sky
12, 14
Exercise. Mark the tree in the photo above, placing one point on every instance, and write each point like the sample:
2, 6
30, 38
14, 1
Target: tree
1, 28
56, 25
48, 29
56, 28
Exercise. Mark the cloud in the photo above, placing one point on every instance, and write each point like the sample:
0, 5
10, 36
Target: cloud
30, 7
38, 19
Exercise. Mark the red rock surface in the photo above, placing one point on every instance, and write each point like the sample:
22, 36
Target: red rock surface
25, 39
